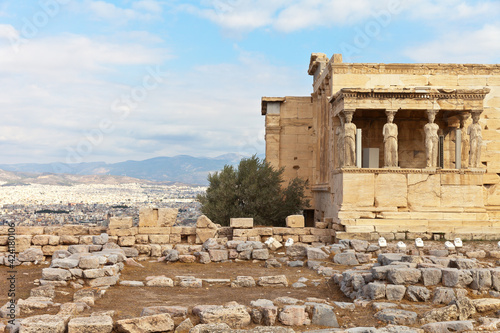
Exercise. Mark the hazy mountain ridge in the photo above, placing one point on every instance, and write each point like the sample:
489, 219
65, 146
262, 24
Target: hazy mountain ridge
182, 168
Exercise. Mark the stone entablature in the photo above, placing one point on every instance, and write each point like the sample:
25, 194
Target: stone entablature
422, 98
412, 171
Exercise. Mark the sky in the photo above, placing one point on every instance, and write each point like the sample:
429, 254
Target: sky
102, 80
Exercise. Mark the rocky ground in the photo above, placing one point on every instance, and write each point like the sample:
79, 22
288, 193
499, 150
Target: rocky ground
353, 286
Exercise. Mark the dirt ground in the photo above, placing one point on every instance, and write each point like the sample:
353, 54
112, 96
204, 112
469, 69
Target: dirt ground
128, 302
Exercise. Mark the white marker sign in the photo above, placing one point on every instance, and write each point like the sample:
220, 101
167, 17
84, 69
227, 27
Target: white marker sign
419, 242
449, 245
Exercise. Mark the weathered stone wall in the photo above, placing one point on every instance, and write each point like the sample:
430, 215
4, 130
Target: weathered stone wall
155, 239
291, 136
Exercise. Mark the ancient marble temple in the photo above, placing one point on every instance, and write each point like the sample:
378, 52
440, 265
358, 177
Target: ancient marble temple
394, 149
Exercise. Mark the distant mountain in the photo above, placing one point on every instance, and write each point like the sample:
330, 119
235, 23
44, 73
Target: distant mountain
182, 168
14, 178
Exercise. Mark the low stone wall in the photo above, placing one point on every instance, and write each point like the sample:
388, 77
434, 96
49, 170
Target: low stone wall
154, 234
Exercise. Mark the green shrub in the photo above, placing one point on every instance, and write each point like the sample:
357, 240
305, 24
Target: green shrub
255, 190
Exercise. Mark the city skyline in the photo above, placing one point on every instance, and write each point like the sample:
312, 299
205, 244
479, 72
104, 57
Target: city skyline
111, 81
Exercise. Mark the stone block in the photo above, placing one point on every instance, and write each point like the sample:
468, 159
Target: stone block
243, 281
424, 190
89, 262
126, 240
374, 290
173, 311
395, 195
31, 254
481, 279
449, 326
167, 216
56, 274
69, 240
361, 189
456, 278
418, 294
48, 250
443, 80
323, 315
44, 324
26, 230
160, 281
144, 249
218, 255
308, 238
148, 217
447, 313
176, 239
431, 276
241, 223
120, 222
295, 221
346, 258
395, 292
92, 324
293, 315
103, 281
154, 230
23, 242
205, 222
486, 304
156, 323
443, 295
397, 316
495, 278
264, 231
159, 239
404, 276
260, 254
468, 195
314, 253
273, 281
203, 234
132, 231
235, 316
94, 273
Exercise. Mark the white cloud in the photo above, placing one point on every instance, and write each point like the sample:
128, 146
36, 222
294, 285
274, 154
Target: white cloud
70, 54
310, 13
57, 91
287, 16
240, 15
8, 32
442, 11
148, 5
479, 46
140, 10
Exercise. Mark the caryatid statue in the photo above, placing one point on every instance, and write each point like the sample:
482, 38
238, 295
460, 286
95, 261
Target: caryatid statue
349, 140
431, 140
475, 140
340, 142
390, 132
465, 140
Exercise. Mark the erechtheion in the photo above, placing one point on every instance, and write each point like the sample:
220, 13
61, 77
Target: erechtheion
397, 150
